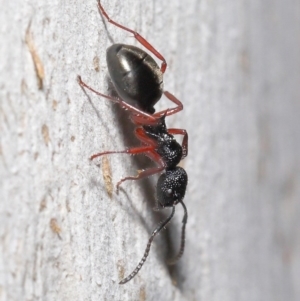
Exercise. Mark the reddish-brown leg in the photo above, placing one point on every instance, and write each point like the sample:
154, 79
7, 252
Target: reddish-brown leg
146, 117
147, 150
184, 141
141, 120
138, 37
172, 111
142, 136
130, 151
148, 172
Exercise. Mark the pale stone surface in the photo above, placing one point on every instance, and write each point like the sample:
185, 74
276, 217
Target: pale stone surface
236, 67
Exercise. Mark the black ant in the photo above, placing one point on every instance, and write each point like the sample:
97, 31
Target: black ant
138, 80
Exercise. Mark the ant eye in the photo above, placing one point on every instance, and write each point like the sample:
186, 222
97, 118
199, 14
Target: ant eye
169, 192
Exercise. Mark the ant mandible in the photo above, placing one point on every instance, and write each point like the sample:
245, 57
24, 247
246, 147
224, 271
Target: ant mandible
138, 81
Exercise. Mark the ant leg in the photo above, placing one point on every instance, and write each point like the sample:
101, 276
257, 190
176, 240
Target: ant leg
149, 150
182, 244
142, 174
184, 141
141, 120
172, 111
148, 172
144, 258
130, 151
122, 103
142, 136
137, 36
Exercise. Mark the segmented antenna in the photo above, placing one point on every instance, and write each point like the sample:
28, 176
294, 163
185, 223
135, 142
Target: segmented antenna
156, 231
181, 250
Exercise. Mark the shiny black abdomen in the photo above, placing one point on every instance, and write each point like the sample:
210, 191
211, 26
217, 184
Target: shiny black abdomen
136, 76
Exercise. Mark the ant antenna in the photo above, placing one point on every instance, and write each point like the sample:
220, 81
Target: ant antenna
180, 253
156, 231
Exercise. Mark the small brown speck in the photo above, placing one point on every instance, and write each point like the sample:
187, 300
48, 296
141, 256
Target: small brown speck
73, 138
45, 133
55, 227
23, 86
142, 294
54, 105
68, 205
43, 204
106, 170
46, 21
57, 264
96, 63
36, 155
121, 270
38, 65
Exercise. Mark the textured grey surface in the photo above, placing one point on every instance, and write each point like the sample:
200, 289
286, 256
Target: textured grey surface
236, 67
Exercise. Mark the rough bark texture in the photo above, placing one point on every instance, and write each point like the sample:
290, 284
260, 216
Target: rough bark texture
236, 67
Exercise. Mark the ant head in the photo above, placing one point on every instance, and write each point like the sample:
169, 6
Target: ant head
171, 187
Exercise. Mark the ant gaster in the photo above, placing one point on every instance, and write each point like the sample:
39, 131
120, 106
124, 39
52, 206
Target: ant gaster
138, 81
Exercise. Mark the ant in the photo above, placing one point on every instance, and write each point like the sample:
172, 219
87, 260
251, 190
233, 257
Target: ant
138, 81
